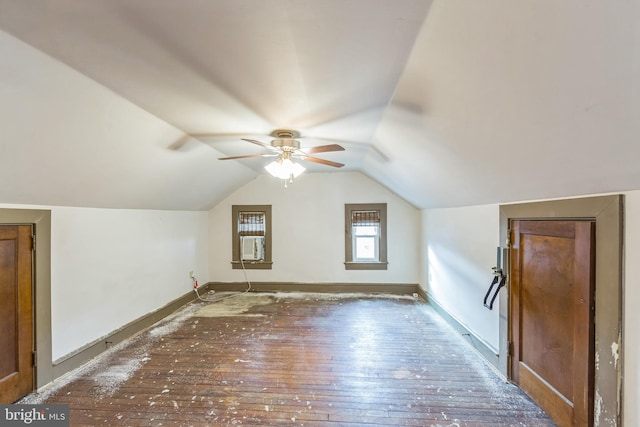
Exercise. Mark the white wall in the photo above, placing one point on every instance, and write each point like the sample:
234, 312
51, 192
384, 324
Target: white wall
460, 251
110, 267
460, 245
308, 230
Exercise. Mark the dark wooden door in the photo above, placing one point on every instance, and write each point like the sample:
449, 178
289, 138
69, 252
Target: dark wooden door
552, 316
16, 313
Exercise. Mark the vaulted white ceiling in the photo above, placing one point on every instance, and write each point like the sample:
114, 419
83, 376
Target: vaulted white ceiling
129, 104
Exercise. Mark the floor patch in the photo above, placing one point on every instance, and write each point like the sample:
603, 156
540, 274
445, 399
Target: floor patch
235, 306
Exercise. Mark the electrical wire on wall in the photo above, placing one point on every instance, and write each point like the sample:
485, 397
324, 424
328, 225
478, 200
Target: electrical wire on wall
246, 278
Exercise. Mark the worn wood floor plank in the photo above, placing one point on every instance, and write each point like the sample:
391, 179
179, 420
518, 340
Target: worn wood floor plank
312, 360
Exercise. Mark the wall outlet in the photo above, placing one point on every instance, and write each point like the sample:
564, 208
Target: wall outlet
191, 274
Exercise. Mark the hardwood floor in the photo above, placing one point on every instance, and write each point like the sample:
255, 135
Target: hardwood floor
312, 360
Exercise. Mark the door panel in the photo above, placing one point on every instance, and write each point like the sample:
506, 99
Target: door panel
546, 318
16, 313
8, 308
551, 319
559, 408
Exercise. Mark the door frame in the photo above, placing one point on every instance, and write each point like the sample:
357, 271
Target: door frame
607, 212
41, 222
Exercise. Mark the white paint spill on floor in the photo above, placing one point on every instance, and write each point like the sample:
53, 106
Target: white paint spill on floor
402, 374
326, 296
238, 306
109, 380
109, 376
172, 322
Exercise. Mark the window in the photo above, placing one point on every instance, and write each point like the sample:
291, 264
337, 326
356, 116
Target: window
251, 225
366, 236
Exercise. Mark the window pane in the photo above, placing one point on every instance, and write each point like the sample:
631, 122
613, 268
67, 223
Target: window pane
366, 248
366, 231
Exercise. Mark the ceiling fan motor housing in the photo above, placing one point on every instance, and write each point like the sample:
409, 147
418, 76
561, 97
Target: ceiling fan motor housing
286, 143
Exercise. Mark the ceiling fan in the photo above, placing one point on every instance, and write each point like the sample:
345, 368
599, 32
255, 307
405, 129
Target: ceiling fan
286, 148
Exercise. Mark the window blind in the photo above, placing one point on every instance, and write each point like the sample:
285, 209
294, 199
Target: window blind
365, 218
251, 224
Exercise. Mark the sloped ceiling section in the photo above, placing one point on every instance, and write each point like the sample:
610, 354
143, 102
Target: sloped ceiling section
64, 140
504, 101
129, 104
216, 70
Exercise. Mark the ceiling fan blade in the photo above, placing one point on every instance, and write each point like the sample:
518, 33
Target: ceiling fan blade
322, 149
261, 144
323, 161
248, 156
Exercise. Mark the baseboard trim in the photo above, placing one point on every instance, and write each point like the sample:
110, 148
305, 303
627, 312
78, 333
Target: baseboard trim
93, 349
371, 288
476, 342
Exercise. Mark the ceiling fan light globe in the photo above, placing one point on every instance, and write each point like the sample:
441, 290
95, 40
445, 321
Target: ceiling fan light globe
284, 169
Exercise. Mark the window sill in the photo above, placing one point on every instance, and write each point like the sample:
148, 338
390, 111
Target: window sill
365, 265
252, 265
